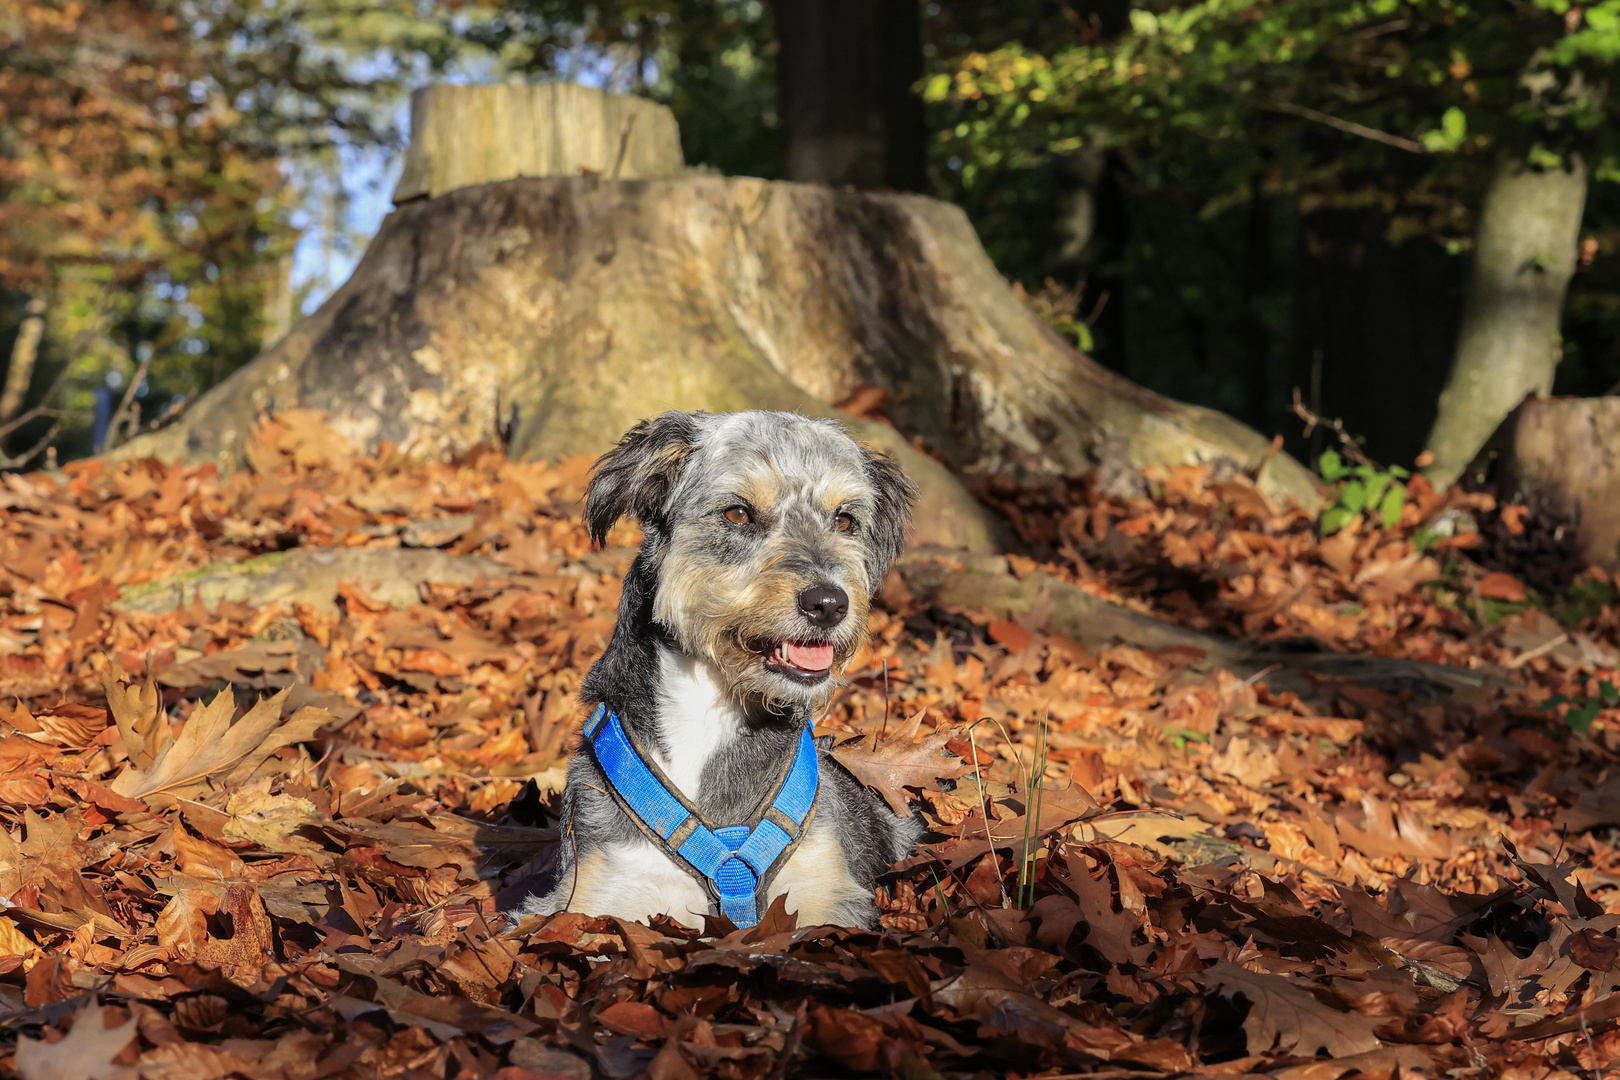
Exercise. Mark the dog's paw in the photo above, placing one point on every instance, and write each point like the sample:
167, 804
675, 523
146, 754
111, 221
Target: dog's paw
534, 905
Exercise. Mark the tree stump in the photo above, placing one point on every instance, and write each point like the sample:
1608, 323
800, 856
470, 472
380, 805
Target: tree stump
551, 314
1561, 455
466, 135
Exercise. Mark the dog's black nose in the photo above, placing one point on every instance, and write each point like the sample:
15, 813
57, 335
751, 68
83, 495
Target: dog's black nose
824, 605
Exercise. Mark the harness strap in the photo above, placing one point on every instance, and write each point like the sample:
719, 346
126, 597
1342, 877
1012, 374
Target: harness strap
735, 862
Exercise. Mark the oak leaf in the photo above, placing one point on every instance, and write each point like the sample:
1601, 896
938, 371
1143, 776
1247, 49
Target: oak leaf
85, 1054
1288, 1017
903, 761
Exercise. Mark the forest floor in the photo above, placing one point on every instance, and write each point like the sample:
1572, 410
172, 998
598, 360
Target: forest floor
1218, 879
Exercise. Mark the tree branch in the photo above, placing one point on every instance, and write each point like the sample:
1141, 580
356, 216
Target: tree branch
1347, 126
24, 352
126, 416
8, 461
1352, 449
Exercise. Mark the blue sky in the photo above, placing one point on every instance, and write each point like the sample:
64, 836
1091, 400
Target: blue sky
321, 265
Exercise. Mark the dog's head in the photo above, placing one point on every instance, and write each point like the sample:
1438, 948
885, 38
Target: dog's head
769, 533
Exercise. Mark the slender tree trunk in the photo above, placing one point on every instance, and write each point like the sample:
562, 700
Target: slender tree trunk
1507, 346
845, 77
24, 353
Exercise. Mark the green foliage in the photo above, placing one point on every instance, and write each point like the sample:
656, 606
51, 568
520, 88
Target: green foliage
1309, 96
1361, 489
145, 149
1034, 789
1581, 711
1584, 600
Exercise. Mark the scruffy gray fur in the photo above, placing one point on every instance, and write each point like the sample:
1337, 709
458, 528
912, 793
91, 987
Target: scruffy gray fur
766, 535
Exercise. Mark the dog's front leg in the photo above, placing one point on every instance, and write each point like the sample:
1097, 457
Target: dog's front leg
633, 880
819, 885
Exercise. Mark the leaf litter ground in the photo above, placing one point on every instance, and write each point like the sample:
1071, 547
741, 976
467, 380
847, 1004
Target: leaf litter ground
268, 832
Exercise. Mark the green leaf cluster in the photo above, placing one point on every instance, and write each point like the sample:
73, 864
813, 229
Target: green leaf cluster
1579, 712
1404, 103
1361, 489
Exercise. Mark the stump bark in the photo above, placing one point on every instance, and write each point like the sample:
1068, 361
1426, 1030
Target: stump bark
551, 314
1561, 455
466, 135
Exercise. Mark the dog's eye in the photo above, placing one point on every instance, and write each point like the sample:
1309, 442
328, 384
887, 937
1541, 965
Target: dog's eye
738, 515
843, 523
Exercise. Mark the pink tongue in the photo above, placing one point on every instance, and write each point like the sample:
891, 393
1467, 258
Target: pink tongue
809, 657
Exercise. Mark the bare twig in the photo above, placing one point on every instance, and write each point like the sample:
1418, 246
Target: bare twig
624, 145
1540, 650
43, 407
126, 416
1347, 126
17, 461
171, 412
24, 352
1352, 449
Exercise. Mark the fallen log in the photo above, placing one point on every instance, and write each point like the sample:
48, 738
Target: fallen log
986, 584
391, 576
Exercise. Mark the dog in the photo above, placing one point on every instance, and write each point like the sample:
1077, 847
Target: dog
698, 790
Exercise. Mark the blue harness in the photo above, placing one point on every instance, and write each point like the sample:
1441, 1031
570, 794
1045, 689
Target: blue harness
735, 863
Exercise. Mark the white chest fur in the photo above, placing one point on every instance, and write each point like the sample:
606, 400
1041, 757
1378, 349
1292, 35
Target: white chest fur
697, 717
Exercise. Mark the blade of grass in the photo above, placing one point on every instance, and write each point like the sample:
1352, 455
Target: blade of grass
984, 807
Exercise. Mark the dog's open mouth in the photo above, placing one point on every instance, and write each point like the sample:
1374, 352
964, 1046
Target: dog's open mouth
807, 661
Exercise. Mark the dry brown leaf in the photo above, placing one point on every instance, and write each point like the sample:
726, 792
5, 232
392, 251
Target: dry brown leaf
1498, 586
1288, 1018
85, 1054
182, 925
1247, 761
14, 942
210, 747
141, 723
191, 1061
201, 859
1381, 837
902, 762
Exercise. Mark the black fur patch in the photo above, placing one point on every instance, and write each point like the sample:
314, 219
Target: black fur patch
634, 477
896, 495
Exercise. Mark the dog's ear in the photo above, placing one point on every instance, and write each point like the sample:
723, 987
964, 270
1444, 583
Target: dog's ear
634, 478
895, 495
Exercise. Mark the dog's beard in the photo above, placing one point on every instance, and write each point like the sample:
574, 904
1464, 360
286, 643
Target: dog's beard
756, 669
760, 659
747, 623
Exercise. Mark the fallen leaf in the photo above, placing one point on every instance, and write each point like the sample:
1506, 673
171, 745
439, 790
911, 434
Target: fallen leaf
1288, 1018
210, 745
1594, 950
1499, 586
903, 762
85, 1054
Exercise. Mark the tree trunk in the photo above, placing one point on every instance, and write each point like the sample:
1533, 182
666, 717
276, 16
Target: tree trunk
1563, 457
550, 315
844, 75
466, 135
24, 354
1507, 347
